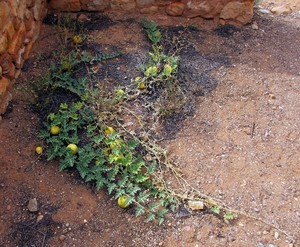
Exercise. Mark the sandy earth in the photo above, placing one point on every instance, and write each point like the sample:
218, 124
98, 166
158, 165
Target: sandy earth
241, 146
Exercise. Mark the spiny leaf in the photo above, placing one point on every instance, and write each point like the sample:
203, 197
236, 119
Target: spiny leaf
150, 217
141, 178
215, 209
142, 197
154, 206
160, 220
119, 193
139, 210
111, 187
151, 168
132, 144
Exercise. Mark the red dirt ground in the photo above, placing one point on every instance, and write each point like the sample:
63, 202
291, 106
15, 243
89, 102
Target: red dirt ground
241, 146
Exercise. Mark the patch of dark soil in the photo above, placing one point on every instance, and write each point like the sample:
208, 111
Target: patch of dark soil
196, 69
50, 19
122, 69
32, 233
49, 101
98, 22
226, 30
9, 110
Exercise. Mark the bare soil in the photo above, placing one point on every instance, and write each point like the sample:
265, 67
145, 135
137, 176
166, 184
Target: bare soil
238, 142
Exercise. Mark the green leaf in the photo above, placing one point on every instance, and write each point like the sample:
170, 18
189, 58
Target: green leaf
91, 128
130, 200
98, 139
132, 144
160, 220
123, 181
150, 217
142, 197
173, 207
100, 182
111, 187
89, 177
230, 216
154, 206
161, 213
140, 178
151, 168
215, 209
127, 160
139, 210
119, 193
133, 190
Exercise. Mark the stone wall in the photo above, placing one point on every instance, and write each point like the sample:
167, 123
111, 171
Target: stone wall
20, 22
226, 11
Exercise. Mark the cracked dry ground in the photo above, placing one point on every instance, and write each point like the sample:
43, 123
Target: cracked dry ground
241, 145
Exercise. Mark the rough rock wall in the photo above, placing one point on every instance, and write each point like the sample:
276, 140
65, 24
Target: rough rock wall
20, 22
227, 11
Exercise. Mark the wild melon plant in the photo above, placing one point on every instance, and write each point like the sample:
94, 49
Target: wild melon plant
106, 155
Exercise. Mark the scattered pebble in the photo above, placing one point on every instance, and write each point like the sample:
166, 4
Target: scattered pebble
281, 10
85, 221
254, 26
276, 235
62, 237
264, 11
272, 96
32, 205
8, 207
83, 17
39, 218
196, 205
271, 245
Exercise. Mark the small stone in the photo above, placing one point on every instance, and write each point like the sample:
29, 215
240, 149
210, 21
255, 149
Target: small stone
264, 11
8, 207
196, 205
254, 26
281, 10
32, 205
83, 17
261, 245
62, 237
265, 232
39, 218
222, 22
271, 245
272, 96
276, 235
85, 221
